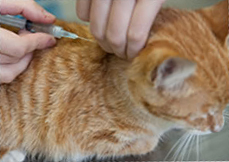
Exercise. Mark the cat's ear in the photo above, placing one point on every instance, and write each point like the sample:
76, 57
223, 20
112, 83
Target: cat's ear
173, 72
217, 17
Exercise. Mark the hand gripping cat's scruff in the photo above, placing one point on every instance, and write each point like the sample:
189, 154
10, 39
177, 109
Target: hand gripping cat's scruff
75, 101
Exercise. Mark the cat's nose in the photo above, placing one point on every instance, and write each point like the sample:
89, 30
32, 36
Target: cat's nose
216, 122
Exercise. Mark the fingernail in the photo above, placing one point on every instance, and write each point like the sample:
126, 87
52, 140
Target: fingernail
48, 15
51, 42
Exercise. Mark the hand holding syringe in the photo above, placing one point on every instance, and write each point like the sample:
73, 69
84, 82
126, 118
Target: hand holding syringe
54, 30
16, 50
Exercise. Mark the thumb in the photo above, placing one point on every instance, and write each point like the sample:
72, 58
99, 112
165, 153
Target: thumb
33, 41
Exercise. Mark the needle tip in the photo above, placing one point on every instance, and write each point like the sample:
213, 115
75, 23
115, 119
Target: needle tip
68, 35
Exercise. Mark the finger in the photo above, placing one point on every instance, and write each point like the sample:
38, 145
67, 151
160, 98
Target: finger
28, 8
100, 10
11, 44
9, 72
23, 32
17, 46
83, 9
119, 20
141, 22
5, 59
34, 41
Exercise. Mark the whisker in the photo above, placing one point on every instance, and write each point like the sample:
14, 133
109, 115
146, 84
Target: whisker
186, 146
177, 153
197, 148
182, 149
191, 146
201, 143
164, 137
175, 145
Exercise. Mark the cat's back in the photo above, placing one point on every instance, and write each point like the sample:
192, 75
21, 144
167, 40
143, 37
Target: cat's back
58, 82
61, 91
70, 63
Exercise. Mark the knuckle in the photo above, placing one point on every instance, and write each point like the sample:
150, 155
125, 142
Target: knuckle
99, 35
14, 60
136, 36
115, 41
19, 52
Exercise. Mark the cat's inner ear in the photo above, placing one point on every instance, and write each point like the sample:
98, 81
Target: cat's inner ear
173, 72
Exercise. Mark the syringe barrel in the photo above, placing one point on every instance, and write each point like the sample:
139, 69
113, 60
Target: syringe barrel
54, 30
12, 21
45, 28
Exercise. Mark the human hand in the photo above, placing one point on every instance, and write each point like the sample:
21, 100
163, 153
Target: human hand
120, 26
16, 50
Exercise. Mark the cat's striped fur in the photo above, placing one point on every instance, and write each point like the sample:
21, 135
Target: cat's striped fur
76, 101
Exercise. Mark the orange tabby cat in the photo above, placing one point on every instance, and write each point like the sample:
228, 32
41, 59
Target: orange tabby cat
76, 101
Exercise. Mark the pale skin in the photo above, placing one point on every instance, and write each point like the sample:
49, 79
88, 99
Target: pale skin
120, 26
16, 50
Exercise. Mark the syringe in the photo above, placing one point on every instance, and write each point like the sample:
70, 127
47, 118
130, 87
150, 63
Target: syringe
54, 30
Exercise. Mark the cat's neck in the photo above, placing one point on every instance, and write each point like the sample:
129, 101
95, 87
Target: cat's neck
104, 77
119, 98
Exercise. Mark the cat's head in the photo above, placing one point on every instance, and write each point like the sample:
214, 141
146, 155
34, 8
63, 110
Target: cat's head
183, 73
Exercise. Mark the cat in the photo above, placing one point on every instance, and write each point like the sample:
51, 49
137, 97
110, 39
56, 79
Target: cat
76, 101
